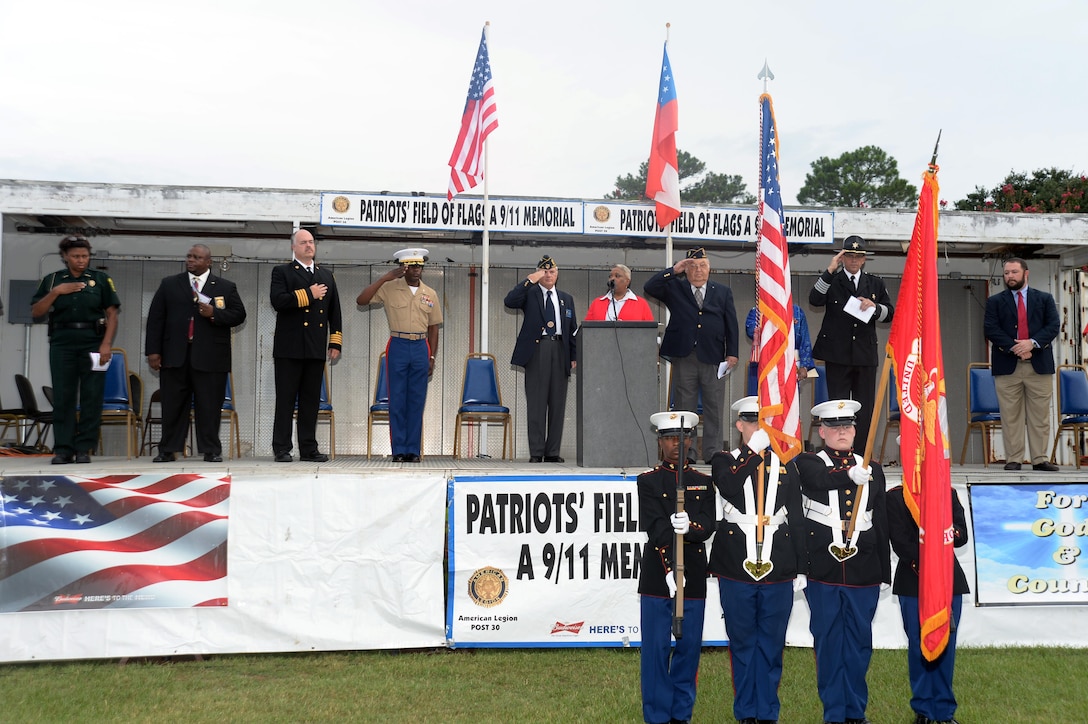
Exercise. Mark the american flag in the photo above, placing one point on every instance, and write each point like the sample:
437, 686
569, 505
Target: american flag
119, 541
779, 407
662, 175
480, 118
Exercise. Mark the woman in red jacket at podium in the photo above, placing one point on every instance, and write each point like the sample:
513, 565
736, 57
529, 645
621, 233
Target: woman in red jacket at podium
620, 302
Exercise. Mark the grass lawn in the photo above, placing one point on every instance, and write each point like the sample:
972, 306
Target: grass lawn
502, 685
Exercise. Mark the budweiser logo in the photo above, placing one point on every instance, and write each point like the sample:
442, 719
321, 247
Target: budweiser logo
573, 628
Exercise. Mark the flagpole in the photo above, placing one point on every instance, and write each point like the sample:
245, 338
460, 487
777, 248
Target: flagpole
485, 284
668, 264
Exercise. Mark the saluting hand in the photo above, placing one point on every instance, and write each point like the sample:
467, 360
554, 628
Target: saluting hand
836, 263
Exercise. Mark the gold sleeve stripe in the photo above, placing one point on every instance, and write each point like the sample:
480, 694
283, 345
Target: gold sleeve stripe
303, 298
337, 338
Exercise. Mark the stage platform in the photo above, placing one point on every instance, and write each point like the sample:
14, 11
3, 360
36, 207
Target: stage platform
449, 467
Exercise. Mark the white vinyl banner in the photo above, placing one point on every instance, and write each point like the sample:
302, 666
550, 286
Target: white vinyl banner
548, 561
340, 562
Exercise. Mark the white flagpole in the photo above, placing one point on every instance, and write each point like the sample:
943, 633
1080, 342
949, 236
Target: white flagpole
485, 284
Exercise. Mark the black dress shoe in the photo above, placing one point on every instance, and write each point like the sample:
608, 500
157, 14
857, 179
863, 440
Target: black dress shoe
398, 458
83, 458
60, 460
315, 458
212, 458
1012, 466
411, 458
165, 458
284, 457
863, 720
536, 459
1048, 467
553, 459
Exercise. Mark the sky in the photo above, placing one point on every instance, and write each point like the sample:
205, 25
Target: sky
341, 95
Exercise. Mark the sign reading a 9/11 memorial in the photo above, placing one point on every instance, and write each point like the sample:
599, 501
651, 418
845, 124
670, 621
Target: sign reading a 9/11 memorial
1030, 543
544, 561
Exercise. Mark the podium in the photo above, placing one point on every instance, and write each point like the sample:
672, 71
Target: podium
617, 393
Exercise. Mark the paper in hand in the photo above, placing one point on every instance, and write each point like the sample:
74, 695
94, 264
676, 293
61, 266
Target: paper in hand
853, 308
723, 369
97, 365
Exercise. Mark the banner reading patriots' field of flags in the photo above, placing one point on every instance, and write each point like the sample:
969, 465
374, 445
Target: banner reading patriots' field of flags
780, 414
117, 541
914, 344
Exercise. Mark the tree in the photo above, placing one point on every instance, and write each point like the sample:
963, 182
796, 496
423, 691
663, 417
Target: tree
703, 186
1048, 190
867, 177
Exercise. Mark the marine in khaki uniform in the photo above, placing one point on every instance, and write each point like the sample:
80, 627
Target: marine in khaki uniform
414, 311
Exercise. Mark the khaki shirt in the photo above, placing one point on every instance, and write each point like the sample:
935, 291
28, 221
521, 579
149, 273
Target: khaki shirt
409, 312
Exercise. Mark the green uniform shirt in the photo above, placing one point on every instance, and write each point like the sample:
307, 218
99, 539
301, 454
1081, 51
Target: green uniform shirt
87, 305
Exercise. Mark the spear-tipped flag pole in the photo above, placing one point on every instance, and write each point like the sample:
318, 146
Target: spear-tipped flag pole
914, 346
780, 414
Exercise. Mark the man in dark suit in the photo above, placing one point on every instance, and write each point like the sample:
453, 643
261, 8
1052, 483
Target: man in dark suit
546, 349
188, 342
701, 340
1021, 323
308, 328
846, 344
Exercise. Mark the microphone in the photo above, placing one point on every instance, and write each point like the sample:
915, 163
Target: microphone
611, 285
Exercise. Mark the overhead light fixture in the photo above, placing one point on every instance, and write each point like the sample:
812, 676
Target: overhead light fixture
181, 224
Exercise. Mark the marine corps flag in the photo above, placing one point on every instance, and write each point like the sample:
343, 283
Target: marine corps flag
914, 345
780, 415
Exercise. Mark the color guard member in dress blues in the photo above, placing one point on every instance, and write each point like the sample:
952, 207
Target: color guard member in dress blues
668, 675
757, 561
848, 560
930, 681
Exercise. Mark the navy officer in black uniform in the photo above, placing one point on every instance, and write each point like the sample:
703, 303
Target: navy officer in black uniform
308, 327
848, 560
668, 675
758, 562
846, 344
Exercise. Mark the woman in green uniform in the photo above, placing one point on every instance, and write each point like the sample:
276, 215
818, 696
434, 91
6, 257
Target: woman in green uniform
82, 305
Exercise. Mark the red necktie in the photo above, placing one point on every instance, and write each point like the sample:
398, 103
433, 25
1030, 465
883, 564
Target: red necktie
1021, 318
196, 293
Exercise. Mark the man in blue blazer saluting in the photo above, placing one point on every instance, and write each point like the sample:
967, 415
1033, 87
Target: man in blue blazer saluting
546, 349
1021, 323
700, 340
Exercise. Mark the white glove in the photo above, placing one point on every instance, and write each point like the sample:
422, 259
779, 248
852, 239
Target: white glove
859, 474
759, 441
670, 581
800, 582
680, 523
885, 586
